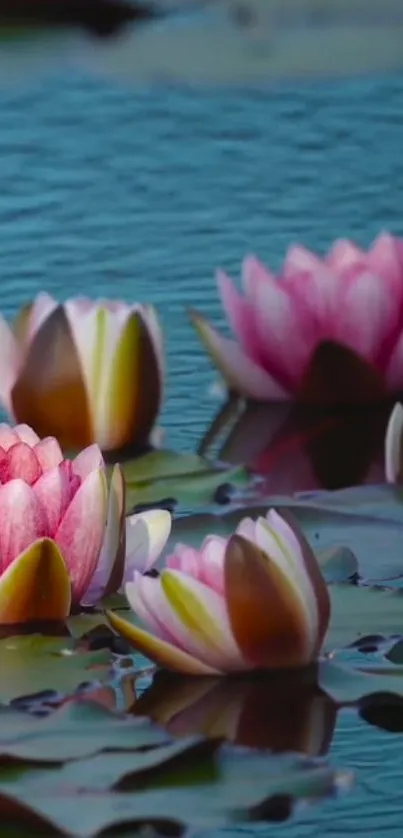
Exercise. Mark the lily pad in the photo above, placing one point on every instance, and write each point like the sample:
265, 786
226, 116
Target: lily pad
76, 729
347, 685
33, 663
186, 479
358, 611
232, 785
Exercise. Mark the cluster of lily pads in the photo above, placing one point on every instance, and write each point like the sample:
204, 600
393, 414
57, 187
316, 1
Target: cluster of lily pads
250, 617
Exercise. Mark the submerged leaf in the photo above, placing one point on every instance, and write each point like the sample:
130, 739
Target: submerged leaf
178, 478
76, 729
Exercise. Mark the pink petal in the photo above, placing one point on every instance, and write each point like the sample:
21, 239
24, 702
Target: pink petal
212, 563
368, 315
239, 312
22, 520
8, 436
26, 434
81, 532
20, 462
280, 315
55, 492
299, 261
48, 452
240, 372
385, 258
346, 259
184, 558
139, 592
88, 460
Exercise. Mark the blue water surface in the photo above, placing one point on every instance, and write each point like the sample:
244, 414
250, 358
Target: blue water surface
111, 190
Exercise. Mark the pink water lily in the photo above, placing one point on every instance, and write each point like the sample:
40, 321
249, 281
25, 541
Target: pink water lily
255, 601
63, 530
85, 371
351, 299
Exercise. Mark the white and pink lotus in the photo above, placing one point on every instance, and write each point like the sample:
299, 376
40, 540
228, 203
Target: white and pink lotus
84, 372
63, 535
351, 299
256, 601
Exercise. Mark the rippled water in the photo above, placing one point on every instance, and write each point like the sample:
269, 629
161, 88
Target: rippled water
111, 190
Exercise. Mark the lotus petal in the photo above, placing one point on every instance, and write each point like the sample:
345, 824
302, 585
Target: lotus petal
35, 586
108, 576
49, 453
55, 492
202, 616
22, 520
26, 434
265, 612
20, 462
88, 460
81, 532
49, 393
146, 536
162, 653
240, 372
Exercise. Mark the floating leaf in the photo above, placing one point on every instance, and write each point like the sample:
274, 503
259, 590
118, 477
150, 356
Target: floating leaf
347, 685
33, 663
178, 478
76, 729
359, 611
234, 785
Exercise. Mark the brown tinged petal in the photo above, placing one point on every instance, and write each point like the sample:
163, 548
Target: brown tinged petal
50, 394
35, 586
159, 651
317, 581
134, 394
265, 612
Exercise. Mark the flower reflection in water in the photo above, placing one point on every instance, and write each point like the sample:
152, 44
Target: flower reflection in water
282, 712
300, 448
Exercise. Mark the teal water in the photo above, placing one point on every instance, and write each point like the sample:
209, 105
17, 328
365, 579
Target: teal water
110, 190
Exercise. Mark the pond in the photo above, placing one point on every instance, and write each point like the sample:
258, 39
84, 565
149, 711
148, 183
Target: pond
142, 192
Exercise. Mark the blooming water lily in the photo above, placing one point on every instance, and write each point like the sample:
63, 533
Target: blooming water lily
83, 371
324, 329
255, 601
62, 530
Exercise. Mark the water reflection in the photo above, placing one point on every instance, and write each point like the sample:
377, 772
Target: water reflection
299, 448
279, 712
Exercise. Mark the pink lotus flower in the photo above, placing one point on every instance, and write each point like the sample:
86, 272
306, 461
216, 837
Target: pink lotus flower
83, 371
351, 300
62, 530
256, 601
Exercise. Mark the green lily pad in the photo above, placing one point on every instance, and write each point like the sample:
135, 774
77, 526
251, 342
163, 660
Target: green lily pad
229, 786
359, 611
180, 478
76, 729
33, 663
